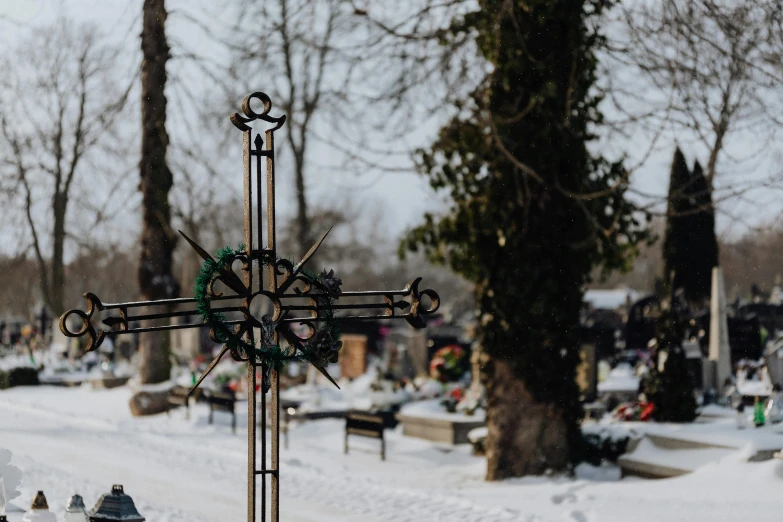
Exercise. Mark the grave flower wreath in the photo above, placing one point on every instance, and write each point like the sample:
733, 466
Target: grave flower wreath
448, 363
318, 349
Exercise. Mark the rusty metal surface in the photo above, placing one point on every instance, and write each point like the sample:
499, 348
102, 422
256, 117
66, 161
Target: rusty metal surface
290, 293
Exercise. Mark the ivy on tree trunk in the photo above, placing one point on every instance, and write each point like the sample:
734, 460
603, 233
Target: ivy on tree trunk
533, 213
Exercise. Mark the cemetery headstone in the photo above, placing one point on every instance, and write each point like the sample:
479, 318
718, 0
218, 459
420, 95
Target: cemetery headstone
186, 343
695, 363
587, 372
418, 350
353, 356
719, 351
397, 349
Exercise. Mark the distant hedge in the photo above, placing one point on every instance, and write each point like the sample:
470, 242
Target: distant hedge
18, 377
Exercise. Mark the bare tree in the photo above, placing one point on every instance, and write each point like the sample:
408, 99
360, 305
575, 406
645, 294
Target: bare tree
158, 240
298, 48
704, 72
203, 209
58, 105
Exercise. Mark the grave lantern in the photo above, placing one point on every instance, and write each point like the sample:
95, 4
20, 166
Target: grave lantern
75, 511
115, 506
39, 510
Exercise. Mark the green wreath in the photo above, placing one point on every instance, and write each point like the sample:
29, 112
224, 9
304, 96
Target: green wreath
319, 349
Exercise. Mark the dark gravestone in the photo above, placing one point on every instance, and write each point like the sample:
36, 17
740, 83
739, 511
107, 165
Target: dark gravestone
640, 327
770, 316
744, 339
602, 334
744, 336
694, 361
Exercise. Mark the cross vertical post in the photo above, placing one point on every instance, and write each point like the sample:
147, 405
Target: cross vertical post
271, 248
247, 181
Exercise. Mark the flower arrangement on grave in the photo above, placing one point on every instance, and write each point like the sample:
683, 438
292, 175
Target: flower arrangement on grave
423, 387
474, 398
466, 400
448, 364
758, 413
641, 410
227, 376
453, 398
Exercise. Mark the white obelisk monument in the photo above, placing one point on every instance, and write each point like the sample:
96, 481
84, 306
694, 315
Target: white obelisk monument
719, 354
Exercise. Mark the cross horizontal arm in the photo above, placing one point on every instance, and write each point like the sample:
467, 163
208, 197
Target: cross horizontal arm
414, 320
119, 324
161, 328
409, 307
93, 299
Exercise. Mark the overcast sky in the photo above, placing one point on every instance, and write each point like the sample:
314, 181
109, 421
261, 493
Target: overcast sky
403, 197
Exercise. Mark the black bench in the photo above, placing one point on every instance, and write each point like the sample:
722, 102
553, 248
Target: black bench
365, 424
222, 401
178, 396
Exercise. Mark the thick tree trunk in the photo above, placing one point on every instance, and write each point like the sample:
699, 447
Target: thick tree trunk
58, 270
156, 280
303, 236
302, 220
524, 437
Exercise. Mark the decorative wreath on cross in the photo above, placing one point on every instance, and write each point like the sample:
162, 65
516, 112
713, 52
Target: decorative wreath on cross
318, 349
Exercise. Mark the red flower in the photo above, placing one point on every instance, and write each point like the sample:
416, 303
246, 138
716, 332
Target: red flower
647, 412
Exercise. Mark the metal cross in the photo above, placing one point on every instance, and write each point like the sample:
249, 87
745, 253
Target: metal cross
287, 289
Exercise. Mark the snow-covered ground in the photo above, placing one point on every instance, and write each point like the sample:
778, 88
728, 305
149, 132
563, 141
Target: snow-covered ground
80, 440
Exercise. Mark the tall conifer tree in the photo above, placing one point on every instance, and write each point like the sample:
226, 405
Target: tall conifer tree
690, 248
533, 213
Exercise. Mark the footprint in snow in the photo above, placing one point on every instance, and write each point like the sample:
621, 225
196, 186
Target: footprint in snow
569, 496
578, 516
